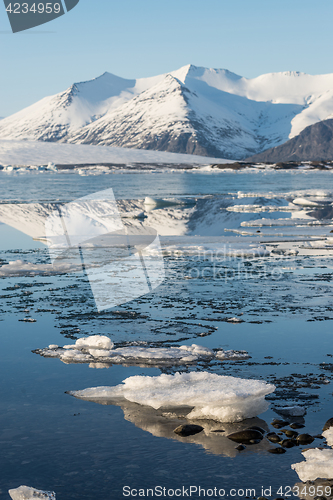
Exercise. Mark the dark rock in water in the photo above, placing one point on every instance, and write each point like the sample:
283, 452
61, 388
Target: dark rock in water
246, 436
240, 447
277, 451
188, 430
304, 439
288, 443
257, 428
254, 441
278, 424
273, 438
328, 424
295, 425
318, 436
290, 434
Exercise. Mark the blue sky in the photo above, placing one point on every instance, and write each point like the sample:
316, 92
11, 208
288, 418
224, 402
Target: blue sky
134, 38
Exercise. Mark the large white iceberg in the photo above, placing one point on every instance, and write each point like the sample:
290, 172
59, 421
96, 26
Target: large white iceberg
211, 396
100, 349
28, 493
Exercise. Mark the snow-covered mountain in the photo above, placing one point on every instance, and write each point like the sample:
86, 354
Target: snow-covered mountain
192, 110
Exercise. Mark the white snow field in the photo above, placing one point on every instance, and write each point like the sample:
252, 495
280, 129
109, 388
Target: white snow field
211, 396
236, 115
28, 493
100, 349
318, 464
31, 152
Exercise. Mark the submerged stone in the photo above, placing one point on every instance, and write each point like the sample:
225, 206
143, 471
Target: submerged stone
248, 436
188, 429
304, 439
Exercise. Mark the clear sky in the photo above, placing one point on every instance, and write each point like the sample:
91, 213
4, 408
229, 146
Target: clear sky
138, 38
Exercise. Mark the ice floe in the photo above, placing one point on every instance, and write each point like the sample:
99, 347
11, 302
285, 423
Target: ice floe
305, 202
24, 268
318, 464
291, 411
100, 349
328, 435
211, 396
28, 493
166, 202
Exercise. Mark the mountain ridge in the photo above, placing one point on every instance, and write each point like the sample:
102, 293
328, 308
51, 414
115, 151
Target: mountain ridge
314, 143
196, 110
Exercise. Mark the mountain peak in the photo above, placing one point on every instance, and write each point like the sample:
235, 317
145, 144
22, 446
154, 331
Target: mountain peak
192, 109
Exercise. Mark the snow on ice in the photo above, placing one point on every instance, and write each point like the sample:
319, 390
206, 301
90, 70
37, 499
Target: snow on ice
211, 396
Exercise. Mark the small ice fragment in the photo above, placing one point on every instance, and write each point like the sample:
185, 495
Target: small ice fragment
27, 493
235, 320
291, 411
305, 203
328, 435
231, 354
94, 342
318, 464
53, 346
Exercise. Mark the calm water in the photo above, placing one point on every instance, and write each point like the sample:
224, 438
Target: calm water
82, 450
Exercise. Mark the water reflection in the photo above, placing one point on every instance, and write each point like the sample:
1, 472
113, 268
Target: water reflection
162, 422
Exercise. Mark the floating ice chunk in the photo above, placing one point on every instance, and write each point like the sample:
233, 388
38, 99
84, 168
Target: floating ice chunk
161, 202
23, 268
291, 411
27, 493
95, 342
100, 349
231, 354
318, 464
283, 222
235, 320
217, 397
305, 203
328, 435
